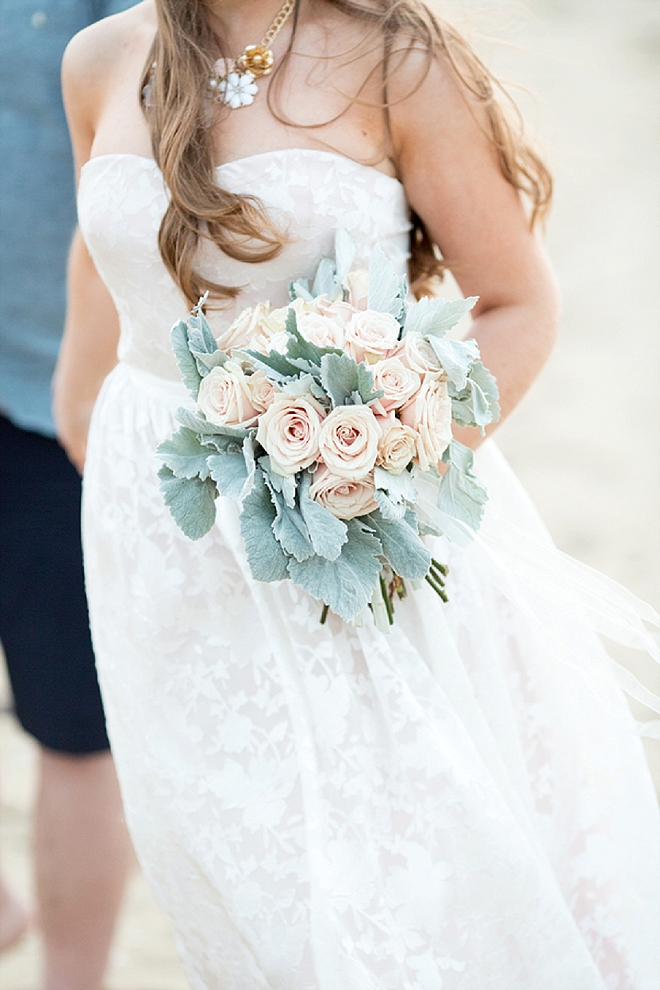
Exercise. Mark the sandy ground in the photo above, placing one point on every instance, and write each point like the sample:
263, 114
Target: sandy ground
586, 440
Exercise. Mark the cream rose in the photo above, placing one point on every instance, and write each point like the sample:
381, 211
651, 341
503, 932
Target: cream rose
343, 498
244, 327
371, 333
289, 433
398, 382
321, 330
397, 445
225, 398
348, 441
418, 354
263, 392
357, 285
270, 333
338, 310
429, 414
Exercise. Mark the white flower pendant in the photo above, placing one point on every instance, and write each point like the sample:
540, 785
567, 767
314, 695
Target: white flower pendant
237, 89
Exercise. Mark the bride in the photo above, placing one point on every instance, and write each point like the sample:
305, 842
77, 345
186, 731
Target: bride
463, 803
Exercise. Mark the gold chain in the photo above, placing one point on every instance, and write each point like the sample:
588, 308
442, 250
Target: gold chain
259, 59
277, 25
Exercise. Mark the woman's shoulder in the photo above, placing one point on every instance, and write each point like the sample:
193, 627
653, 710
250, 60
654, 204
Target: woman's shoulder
102, 49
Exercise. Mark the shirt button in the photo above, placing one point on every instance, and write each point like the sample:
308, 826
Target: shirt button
38, 19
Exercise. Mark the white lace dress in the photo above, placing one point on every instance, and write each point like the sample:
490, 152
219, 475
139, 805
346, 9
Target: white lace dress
461, 805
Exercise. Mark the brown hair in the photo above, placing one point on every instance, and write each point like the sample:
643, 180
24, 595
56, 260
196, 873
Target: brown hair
176, 76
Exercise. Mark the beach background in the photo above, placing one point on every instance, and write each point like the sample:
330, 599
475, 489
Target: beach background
586, 440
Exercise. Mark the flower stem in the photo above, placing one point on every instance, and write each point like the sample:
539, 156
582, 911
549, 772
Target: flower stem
324, 614
386, 599
439, 590
444, 570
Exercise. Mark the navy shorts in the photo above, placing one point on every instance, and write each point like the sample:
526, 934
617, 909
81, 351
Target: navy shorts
44, 626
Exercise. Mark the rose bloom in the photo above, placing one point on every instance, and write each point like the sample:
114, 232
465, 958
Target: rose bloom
270, 333
244, 327
397, 445
289, 433
337, 310
418, 355
225, 398
343, 498
429, 413
398, 382
357, 285
321, 330
371, 333
263, 392
348, 441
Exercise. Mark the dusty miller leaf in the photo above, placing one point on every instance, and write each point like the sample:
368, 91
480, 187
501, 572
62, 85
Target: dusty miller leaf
325, 282
300, 290
345, 248
234, 471
191, 502
461, 495
384, 284
267, 560
289, 527
405, 552
301, 350
327, 533
436, 316
390, 509
347, 583
456, 357
184, 359
184, 455
346, 382
206, 431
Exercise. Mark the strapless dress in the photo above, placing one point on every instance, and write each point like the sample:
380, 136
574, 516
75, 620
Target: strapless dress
461, 805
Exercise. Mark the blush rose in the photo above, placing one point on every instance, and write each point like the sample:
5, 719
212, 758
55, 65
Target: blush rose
345, 499
356, 284
418, 355
289, 433
397, 445
321, 330
263, 392
225, 397
429, 414
371, 333
398, 382
348, 441
244, 327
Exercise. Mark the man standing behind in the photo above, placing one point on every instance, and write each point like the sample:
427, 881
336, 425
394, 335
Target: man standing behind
81, 848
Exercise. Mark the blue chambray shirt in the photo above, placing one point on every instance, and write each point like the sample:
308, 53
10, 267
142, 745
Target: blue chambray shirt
37, 202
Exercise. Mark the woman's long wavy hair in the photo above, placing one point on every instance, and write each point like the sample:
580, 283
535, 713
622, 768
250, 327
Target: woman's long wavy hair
176, 75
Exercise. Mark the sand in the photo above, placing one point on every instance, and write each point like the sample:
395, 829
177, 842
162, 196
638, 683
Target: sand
586, 440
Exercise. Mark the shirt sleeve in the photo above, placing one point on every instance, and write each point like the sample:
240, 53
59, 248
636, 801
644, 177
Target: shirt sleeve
103, 8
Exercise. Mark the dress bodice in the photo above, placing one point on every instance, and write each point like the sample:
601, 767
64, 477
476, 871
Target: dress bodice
310, 193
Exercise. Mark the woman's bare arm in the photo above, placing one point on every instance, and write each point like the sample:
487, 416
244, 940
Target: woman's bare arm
454, 183
89, 346
88, 352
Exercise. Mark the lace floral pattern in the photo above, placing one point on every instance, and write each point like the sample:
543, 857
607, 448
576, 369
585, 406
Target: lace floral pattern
454, 806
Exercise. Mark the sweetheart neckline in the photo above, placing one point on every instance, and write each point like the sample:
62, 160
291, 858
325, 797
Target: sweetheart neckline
249, 158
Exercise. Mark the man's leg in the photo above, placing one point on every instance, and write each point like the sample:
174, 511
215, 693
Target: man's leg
81, 853
81, 846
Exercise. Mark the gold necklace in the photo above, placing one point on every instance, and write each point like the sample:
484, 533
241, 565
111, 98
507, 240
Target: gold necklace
233, 80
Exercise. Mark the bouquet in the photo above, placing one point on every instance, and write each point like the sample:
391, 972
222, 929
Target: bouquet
329, 421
